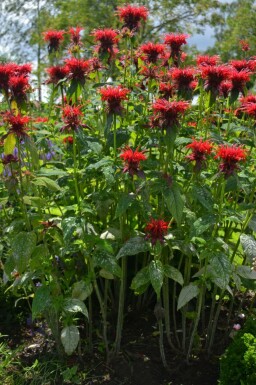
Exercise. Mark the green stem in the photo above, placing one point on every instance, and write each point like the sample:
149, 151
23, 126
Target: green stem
75, 172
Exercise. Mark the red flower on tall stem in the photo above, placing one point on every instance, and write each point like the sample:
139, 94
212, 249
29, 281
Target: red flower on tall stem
78, 68
183, 79
244, 45
225, 88
155, 230
239, 80
230, 156
166, 114
206, 60
107, 38
114, 96
175, 41
6, 71
23, 69
213, 76
75, 35
152, 51
132, 159
54, 39
239, 65
166, 90
17, 124
19, 86
57, 73
72, 118
132, 15
200, 149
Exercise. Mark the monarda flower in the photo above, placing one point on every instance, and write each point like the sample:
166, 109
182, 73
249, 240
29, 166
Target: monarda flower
152, 51
19, 86
239, 80
213, 76
6, 71
132, 15
132, 161
244, 45
155, 230
68, 140
200, 149
17, 124
230, 156
107, 38
75, 36
78, 69
71, 116
239, 65
166, 114
57, 73
183, 79
225, 88
175, 41
166, 90
54, 39
114, 96
206, 60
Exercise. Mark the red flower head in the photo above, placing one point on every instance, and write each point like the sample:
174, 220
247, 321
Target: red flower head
107, 38
175, 41
244, 45
10, 158
17, 123
225, 88
152, 51
166, 113
57, 73
239, 80
113, 96
131, 15
249, 108
156, 229
132, 161
166, 90
6, 71
75, 35
71, 117
213, 76
199, 151
78, 68
19, 86
247, 101
239, 65
23, 69
150, 72
183, 79
54, 39
230, 156
206, 60
68, 140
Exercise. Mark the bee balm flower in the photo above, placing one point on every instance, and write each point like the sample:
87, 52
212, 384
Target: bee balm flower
131, 15
155, 230
132, 161
230, 156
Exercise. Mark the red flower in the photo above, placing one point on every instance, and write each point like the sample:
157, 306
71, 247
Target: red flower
78, 68
155, 230
175, 41
113, 96
183, 79
71, 117
150, 72
68, 139
206, 60
18, 124
6, 71
19, 86
239, 80
199, 151
225, 87
40, 119
166, 90
23, 69
248, 99
214, 75
240, 65
131, 15
108, 39
75, 35
244, 45
249, 109
54, 38
57, 73
132, 161
230, 156
152, 51
166, 113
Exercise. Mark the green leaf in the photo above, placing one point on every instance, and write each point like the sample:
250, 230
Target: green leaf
46, 182
141, 278
74, 305
123, 203
202, 224
156, 273
42, 300
81, 290
246, 272
34, 201
203, 196
186, 294
31, 148
252, 223
106, 261
173, 273
22, 246
52, 172
133, 246
9, 144
175, 202
248, 243
70, 337
69, 226
1, 168
221, 269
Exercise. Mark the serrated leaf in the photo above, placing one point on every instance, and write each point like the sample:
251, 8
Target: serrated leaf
246, 272
133, 246
82, 290
42, 300
9, 144
141, 278
123, 203
248, 243
22, 246
106, 261
74, 305
156, 274
173, 273
201, 225
220, 270
174, 201
70, 337
187, 293
203, 196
